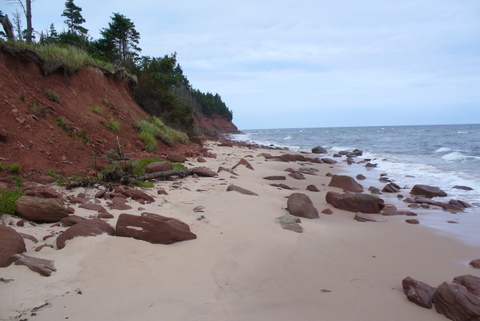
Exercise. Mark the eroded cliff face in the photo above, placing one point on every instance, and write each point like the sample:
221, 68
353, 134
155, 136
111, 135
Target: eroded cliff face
214, 126
61, 122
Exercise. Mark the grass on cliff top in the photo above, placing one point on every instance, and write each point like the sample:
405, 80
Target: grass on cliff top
53, 57
153, 128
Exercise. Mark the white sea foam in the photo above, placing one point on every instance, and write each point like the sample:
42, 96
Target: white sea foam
443, 150
454, 156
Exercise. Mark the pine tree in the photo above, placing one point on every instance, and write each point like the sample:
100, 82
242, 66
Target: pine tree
122, 37
74, 17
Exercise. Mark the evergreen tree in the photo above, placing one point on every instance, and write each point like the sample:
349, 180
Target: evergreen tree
122, 37
74, 17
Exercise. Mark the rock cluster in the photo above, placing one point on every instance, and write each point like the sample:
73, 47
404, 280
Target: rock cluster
458, 300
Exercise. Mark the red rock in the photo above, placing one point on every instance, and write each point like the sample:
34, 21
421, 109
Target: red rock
228, 170
455, 302
84, 228
43, 192
283, 186
72, 220
100, 193
360, 177
10, 243
327, 211
418, 292
355, 202
201, 160
41, 266
161, 191
412, 221
390, 210
275, 178
203, 171
93, 207
170, 220
244, 162
312, 188
328, 161
362, 217
159, 167
472, 283
176, 158
299, 204
240, 190
43, 210
105, 215
475, 263
391, 188
119, 203
139, 196
296, 175
345, 182
427, 191
151, 230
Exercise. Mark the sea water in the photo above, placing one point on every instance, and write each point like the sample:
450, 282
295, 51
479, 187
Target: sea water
438, 155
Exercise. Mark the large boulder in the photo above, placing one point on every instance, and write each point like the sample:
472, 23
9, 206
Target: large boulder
355, 202
151, 230
43, 192
301, 205
84, 228
347, 183
456, 302
418, 292
472, 283
159, 167
319, 150
43, 210
427, 191
10, 243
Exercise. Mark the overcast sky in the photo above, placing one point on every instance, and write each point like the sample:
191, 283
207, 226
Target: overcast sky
311, 63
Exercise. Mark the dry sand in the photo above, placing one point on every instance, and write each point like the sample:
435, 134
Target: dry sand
243, 265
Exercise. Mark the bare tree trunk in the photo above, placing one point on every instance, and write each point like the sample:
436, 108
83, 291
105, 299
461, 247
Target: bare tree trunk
8, 27
28, 15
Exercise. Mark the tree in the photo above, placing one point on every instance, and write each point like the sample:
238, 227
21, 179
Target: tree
7, 26
122, 38
74, 18
17, 25
27, 10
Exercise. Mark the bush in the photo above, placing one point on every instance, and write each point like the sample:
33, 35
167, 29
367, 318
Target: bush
51, 95
155, 128
1, 167
113, 125
98, 110
8, 200
14, 168
63, 124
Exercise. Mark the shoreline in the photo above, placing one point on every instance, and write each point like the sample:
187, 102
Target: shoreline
243, 265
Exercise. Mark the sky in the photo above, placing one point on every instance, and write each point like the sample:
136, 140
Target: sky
310, 63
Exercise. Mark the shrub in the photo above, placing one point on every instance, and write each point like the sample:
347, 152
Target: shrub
8, 200
14, 168
105, 101
52, 173
1, 167
51, 95
113, 125
38, 108
98, 110
63, 124
16, 181
83, 136
155, 128
143, 184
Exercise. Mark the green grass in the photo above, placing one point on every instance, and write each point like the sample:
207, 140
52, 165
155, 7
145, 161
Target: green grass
97, 110
51, 95
63, 124
113, 125
143, 184
8, 200
14, 168
153, 128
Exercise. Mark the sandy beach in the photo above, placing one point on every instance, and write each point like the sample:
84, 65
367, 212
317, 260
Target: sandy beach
243, 265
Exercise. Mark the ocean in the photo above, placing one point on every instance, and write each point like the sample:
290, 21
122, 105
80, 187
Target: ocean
438, 155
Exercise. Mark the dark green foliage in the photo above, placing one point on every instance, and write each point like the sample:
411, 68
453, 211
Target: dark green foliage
14, 168
51, 95
120, 40
74, 18
63, 124
212, 105
8, 200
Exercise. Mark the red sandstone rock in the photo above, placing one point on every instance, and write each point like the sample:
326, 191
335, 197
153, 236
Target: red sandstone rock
275, 178
159, 167
427, 191
84, 228
355, 202
301, 205
139, 195
43, 192
244, 162
176, 158
10, 243
203, 171
42, 210
362, 217
240, 190
312, 188
327, 211
412, 221
41, 266
455, 302
282, 186
93, 207
418, 292
475, 263
151, 230
345, 182
119, 203
472, 283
